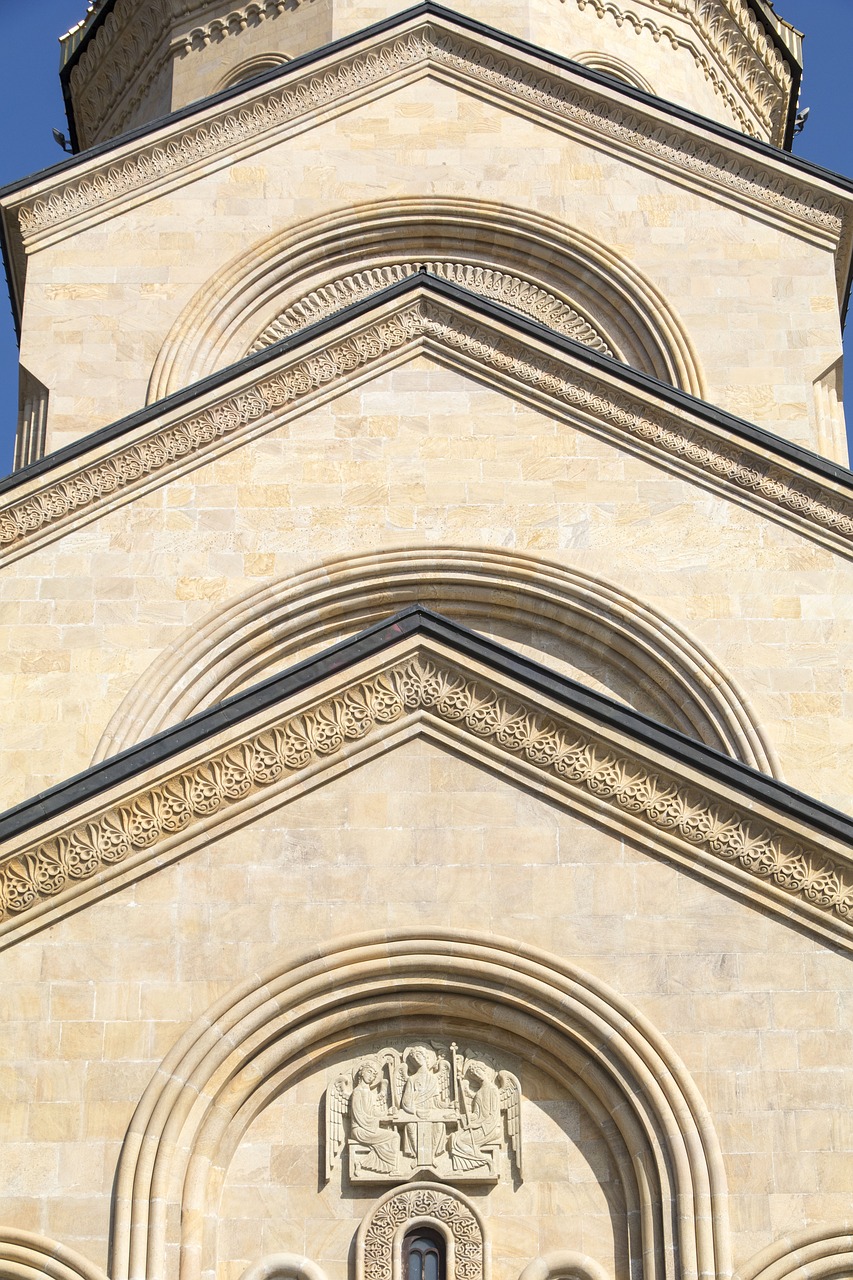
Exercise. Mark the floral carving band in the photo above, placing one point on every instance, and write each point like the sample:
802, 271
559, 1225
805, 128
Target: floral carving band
748, 472
659, 801
549, 90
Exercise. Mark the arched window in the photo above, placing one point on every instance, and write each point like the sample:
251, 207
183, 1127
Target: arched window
424, 1255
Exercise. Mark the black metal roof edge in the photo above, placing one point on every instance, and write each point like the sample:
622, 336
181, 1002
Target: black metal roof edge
65, 71
792, 454
425, 8
422, 9
793, 103
417, 619
9, 271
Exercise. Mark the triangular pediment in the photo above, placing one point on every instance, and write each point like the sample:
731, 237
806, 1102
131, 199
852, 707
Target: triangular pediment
513, 353
159, 801
146, 163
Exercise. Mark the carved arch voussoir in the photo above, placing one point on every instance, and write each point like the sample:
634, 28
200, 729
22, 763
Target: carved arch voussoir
617, 308
652, 664
378, 1244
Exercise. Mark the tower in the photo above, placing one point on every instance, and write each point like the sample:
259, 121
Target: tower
426, 711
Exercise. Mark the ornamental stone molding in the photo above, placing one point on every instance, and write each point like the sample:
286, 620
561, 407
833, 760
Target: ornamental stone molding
717, 834
652, 665
594, 1044
486, 282
517, 79
133, 47
731, 38
231, 24
132, 50
27, 1256
300, 259
814, 1253
425, 1203
657, 430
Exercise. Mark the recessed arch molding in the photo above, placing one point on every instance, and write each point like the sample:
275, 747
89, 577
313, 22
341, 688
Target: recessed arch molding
607, 635
568, 269
247, 1048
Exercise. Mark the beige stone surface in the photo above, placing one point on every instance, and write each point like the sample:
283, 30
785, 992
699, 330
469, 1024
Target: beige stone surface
425, 456
425, 848
419, 838
122, 285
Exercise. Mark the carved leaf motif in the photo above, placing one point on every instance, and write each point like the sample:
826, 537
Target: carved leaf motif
40, 872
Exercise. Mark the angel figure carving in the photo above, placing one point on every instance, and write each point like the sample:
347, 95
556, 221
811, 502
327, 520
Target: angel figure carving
423, 1109
488, 1097
364, 1102
425, 1095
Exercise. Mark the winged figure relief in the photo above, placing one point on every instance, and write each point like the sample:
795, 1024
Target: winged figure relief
399, 1113
491, 1101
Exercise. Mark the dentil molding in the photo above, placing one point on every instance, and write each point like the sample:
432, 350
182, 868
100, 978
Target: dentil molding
735, 48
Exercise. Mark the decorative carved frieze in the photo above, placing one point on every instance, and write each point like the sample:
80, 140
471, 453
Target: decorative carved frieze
733, 51
663, 434
273, 107
235, 21
511, 291
116, 70
656, 800
423, 1109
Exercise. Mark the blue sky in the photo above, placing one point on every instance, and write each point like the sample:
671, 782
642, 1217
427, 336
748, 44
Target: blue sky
31, 106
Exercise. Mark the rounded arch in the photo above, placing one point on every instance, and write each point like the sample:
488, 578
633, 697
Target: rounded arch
250, 68
815, 1253
565, 1264
284, 1266
26, 1256
225, 319
589, 626
444, 1209
609, 65
265, 1034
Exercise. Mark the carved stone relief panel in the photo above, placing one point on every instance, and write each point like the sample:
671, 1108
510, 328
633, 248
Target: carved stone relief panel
403, 1112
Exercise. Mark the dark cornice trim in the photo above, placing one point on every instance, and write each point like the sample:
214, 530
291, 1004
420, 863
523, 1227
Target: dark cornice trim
417, 620
821, 468
427, 8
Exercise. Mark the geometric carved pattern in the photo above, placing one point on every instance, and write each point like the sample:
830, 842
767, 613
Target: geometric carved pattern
497, 286
659, 800
423, 1202
658, 431
548, 90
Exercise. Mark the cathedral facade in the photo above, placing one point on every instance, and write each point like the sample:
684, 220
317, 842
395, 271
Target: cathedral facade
427, 647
